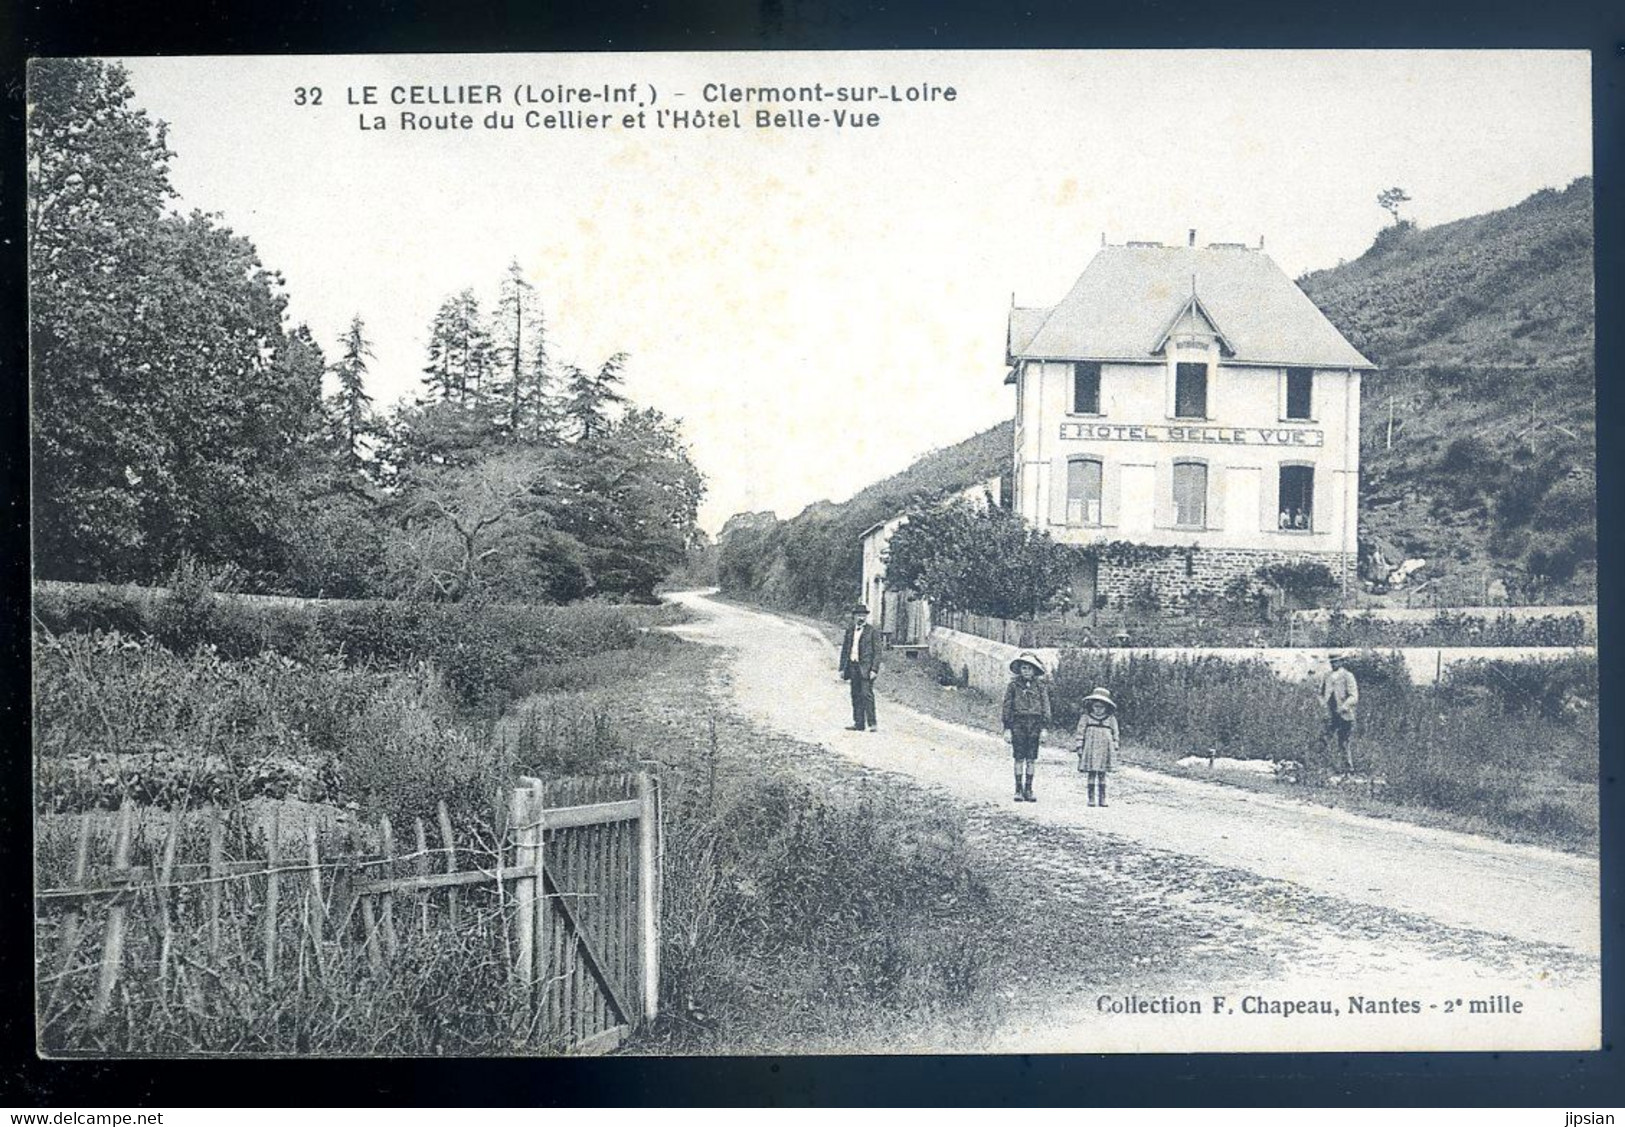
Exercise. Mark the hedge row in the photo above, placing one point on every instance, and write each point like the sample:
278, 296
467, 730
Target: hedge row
483, 650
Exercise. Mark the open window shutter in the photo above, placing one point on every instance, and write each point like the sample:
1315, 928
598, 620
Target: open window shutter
1269, 498
1057, 491
1324, 483
1215, 496
1163, 507
1172, 384
1111, 492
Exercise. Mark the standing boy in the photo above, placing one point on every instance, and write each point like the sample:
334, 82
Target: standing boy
1026, 715
860, 665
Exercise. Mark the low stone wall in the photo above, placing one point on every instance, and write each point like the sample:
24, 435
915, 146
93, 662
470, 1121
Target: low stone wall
987, 663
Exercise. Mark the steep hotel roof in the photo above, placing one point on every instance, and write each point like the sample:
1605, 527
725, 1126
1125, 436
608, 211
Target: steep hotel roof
1124, 302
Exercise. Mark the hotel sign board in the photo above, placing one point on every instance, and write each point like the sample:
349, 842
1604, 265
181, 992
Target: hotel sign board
1192, 432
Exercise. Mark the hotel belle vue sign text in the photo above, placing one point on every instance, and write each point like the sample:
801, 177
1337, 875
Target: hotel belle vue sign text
1229, 436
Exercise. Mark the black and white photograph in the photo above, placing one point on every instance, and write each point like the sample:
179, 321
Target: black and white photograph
846, 552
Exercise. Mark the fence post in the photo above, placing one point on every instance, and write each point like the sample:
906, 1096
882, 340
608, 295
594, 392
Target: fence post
422, 869
217, 866
387, 901
70, 927
444, 817
538, 830
648, 906
520, 814
273, 857
164, 875
314, 892
113, 944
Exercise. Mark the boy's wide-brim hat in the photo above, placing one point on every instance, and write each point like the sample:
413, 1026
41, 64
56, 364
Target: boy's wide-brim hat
1103, 696
1027, 657
1338, 659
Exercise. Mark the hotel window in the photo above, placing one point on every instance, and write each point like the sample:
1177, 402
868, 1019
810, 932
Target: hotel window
1086, 388
1190, 494
1300, 384
1190, 391
1297, 499
1083, 491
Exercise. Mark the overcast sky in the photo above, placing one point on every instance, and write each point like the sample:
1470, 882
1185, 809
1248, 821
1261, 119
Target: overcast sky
821, 307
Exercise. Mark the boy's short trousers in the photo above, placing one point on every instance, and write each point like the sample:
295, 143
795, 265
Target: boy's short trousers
1024, 740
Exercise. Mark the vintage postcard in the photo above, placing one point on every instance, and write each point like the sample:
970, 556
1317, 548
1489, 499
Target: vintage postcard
746, 553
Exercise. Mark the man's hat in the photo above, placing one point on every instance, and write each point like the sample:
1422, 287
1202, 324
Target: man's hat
1337, 659
860, 609
1027, 657
1103, 696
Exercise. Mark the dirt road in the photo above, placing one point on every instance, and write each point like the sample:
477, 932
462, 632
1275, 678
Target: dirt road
1468, 942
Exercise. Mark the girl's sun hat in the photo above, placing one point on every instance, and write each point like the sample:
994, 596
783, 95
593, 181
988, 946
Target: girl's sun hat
1027, 657
1103, 696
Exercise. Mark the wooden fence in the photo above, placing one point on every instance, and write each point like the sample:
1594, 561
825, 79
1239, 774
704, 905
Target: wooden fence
572, 864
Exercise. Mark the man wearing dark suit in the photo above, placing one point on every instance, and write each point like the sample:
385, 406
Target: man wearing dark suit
860, 665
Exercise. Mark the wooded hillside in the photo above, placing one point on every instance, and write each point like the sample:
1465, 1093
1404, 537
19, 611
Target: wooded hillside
1483, 331
813, 563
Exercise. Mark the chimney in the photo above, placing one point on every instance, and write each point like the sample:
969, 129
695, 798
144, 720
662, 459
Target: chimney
1193, 237
1261, 242
1103, 238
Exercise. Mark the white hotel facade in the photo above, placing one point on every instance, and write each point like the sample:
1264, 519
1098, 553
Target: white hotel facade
1190, 398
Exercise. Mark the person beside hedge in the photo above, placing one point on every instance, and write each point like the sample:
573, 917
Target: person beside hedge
1097, 738
1340, 695
1026, 714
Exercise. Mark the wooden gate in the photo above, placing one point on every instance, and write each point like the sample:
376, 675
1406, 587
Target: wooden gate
588, 918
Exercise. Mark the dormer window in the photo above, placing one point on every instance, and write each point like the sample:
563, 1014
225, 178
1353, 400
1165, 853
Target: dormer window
1190, 391
1086, 388
1300, 383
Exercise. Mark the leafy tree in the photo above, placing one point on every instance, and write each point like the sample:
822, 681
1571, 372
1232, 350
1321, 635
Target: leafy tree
982, 560
170, 402
457, 519
591, 396
1390, 199
631, 496
350, 408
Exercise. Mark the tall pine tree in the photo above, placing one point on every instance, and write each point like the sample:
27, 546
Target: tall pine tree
592, 396
350, 417
461, 359
522, 392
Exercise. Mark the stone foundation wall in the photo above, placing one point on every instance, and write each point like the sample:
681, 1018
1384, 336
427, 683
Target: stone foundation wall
1178, 577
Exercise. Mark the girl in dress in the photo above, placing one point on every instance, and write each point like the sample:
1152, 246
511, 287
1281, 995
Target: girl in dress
1097, 741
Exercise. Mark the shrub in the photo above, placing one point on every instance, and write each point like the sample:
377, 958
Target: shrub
1562, 691
403, 752
1303, 579
780, 894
